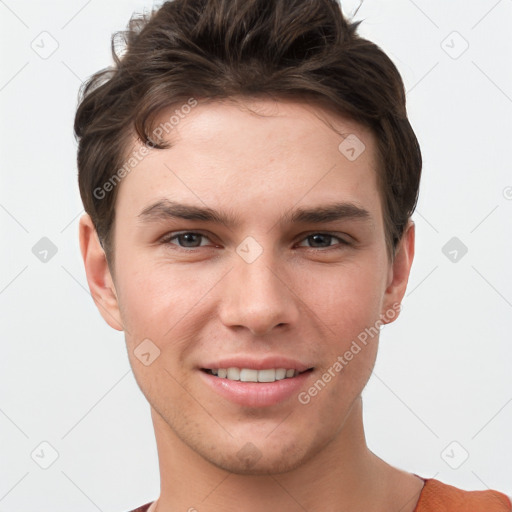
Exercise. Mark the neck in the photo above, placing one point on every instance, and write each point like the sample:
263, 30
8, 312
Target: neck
345, 472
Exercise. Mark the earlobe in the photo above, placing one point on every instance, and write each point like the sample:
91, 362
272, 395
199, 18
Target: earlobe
98, 274
398, 275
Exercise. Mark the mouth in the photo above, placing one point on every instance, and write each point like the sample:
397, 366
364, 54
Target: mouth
267, 375
249, 381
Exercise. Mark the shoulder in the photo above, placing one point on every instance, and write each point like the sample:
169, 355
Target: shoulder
437, 496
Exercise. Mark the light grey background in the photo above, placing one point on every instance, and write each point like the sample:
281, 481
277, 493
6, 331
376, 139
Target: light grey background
442, 383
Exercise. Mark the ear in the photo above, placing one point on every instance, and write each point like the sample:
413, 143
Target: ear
98, 274
398, 275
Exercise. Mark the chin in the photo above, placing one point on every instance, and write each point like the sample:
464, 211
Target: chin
249, 460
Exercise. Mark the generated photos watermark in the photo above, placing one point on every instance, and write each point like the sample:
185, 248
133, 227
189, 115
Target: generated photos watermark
305, 397
138, 154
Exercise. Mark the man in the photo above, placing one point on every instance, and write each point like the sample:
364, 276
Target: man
249, 176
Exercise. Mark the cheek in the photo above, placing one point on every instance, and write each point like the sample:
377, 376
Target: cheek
346, 299
158, 299
143, 298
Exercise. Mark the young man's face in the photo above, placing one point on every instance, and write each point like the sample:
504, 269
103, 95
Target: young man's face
263, 292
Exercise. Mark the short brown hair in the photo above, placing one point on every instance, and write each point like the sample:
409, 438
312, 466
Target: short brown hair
213, 49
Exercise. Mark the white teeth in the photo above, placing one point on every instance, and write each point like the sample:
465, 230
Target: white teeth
250, 375
247, 375
266, 376
280, 373
233, 374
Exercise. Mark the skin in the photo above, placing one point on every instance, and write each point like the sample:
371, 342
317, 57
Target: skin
197, 300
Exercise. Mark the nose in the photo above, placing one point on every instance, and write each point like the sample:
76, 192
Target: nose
258, 297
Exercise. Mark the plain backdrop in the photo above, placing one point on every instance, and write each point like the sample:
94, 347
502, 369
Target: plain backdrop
439, 402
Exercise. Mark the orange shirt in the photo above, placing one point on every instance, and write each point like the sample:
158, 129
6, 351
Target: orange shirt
439, 497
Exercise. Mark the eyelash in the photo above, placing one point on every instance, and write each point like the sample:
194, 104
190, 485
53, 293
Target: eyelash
166, 240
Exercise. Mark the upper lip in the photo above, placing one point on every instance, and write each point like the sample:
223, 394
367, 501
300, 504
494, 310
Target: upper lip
262, 363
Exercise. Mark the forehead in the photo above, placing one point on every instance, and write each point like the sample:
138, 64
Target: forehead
243, 123
254, 154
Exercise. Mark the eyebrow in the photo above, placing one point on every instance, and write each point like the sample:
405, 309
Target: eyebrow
164, 210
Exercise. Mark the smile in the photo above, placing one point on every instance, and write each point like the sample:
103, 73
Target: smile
250, 387
252, 375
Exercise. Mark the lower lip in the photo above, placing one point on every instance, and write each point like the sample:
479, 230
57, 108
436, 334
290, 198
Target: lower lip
256, 394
